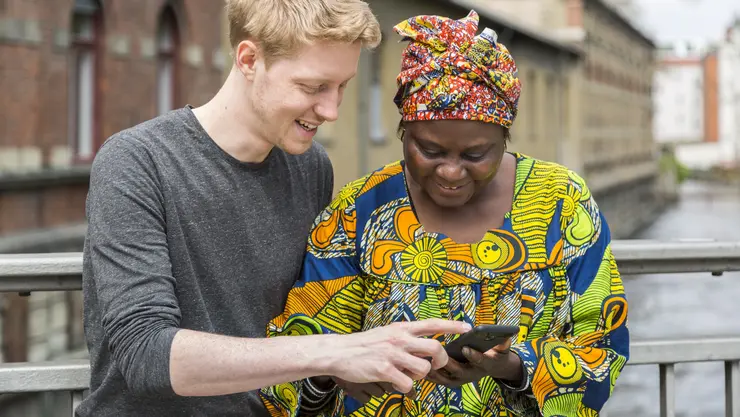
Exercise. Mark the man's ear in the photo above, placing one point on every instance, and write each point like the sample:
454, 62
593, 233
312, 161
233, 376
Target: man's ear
246, 56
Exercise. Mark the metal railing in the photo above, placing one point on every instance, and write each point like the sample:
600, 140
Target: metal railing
62, 272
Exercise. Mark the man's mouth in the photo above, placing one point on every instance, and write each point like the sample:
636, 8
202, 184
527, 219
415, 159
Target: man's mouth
308, 127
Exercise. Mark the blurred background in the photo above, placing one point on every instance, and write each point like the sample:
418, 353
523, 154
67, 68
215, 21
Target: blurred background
641, 97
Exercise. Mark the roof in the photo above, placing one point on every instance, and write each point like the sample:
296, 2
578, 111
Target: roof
517, 28
619, 17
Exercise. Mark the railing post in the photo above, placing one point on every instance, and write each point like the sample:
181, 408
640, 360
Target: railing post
76, 400
667, 390
732, 388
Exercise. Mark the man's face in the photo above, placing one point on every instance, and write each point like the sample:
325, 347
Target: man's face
294, 95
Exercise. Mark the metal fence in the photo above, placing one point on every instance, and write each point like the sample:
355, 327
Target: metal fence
61, 272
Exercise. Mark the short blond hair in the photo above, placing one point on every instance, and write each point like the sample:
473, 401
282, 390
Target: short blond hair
281, 27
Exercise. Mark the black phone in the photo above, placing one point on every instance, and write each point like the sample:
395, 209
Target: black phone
482, 338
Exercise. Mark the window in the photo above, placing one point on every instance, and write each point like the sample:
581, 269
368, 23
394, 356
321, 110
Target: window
86, 33
168, 42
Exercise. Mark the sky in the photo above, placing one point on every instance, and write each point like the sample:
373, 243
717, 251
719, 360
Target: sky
695, 21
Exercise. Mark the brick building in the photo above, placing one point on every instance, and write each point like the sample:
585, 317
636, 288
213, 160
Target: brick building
73, 72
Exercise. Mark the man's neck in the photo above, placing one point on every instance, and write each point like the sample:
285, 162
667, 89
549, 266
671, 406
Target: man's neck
226, 120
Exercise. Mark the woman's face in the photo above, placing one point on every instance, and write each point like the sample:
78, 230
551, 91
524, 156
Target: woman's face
453, 160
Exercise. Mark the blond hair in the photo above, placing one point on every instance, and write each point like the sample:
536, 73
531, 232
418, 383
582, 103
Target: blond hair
281, 27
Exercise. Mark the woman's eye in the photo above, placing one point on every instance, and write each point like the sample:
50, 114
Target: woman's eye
430, 153
474, 157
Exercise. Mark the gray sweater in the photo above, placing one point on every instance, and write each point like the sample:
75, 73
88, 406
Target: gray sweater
182, 235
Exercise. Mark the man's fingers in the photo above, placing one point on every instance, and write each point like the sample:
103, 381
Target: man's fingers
415, 367
428, 348
400, 381
431, 327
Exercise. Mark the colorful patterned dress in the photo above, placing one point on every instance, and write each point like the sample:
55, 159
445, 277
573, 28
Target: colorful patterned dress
549, 270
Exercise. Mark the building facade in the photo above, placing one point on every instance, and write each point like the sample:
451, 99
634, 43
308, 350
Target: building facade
679, 96
616, 152
728, 56
687, 102
718, 145
72, 73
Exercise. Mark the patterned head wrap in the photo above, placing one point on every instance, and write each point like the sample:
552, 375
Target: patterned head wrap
448, 72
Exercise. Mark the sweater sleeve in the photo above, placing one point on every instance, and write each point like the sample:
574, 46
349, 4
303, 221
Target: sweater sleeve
131, 269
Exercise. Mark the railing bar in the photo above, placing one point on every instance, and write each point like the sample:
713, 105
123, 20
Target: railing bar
667, 390
60, 375
732, 388
76, 400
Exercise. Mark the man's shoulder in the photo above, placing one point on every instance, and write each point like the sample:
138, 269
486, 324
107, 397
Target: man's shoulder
132, 152
149, 133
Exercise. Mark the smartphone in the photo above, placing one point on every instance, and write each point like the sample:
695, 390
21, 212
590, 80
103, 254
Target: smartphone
482, 338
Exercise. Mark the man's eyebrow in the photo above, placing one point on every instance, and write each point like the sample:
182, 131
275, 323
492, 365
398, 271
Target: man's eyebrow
319, 80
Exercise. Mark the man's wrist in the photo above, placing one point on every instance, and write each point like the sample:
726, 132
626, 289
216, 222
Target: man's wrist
321, 355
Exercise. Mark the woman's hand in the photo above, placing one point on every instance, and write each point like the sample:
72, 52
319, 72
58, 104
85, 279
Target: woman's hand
364, 392
498, 363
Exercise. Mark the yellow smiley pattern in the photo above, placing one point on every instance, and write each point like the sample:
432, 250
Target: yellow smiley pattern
548, 270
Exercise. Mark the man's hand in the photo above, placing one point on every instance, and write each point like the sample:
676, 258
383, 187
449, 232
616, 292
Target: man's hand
497, 363
395, 354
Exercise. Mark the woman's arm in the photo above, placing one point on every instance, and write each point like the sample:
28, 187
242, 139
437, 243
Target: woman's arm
574, 374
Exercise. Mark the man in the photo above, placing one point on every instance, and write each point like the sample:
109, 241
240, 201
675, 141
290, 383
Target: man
197, 228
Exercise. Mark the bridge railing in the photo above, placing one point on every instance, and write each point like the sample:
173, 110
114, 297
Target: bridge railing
62, 272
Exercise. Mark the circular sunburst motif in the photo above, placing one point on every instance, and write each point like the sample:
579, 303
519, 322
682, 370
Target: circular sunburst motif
346, 196
424, 260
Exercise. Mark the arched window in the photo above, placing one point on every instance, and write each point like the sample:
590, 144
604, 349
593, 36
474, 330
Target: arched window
168, 42
86, 34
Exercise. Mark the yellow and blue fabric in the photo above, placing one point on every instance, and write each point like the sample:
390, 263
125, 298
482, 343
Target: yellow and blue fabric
549, 270
448, 72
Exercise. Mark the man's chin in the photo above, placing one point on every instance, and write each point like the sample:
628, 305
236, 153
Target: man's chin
294, 147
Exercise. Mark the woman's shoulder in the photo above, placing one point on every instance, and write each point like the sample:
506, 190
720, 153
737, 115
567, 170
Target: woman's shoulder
373, 182
548, 176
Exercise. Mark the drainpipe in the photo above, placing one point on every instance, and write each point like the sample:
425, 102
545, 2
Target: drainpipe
363, 111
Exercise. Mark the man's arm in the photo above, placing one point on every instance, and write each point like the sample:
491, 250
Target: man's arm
141, 316
205, 364
131, 269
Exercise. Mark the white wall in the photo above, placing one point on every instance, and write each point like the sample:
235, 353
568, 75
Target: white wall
729, 90
679, 103
705, 155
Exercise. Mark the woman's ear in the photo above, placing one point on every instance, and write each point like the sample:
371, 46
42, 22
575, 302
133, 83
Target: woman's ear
400, 131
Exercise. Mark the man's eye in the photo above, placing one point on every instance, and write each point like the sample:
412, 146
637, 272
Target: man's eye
312, 89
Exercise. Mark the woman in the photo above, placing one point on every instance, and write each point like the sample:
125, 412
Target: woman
461, 229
